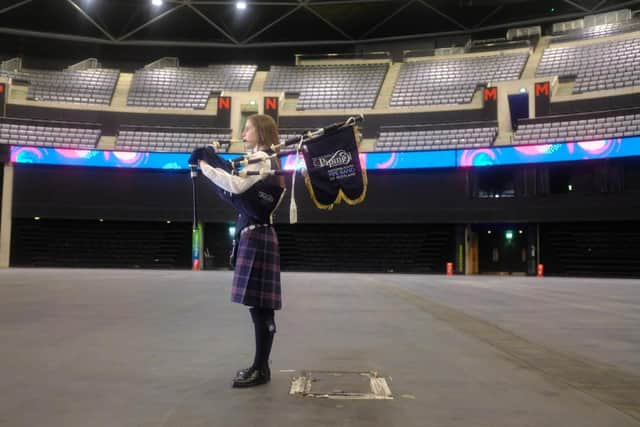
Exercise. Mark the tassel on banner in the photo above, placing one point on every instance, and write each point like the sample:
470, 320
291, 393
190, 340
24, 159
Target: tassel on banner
293, 208
293, 211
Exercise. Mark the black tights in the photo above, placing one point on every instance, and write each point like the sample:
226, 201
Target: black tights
265, 327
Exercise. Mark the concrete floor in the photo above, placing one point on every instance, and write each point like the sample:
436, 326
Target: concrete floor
159, 348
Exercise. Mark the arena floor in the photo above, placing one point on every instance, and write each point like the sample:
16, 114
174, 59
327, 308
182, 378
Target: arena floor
159, 348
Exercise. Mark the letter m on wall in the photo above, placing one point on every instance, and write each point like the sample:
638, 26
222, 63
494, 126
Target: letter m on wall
543, 98
490, 104
542, 88
491, 93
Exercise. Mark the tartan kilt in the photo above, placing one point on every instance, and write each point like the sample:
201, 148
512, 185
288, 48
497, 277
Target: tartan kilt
256, 278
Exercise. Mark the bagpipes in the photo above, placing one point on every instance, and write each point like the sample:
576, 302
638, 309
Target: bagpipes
333, 172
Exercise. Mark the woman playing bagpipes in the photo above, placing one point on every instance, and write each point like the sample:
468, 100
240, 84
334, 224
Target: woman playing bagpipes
256, 254
334, 174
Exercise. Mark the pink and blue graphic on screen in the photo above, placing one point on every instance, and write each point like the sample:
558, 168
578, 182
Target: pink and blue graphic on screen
544, 153
476, 157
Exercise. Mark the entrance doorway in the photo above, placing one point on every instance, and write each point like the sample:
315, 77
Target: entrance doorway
518, 107
502, 249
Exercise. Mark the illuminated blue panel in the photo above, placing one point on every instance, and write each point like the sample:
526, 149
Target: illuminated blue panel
410, 159
545, 153
490, 156
99, 158
394, 160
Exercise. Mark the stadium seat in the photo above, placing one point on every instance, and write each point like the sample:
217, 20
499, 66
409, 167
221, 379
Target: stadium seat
436, 137
557, 130
48, 134
187, 88
92, 86
330, 86
597, 66
452, 81
172, 140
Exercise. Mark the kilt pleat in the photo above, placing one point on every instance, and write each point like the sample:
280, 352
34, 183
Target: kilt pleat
256, 278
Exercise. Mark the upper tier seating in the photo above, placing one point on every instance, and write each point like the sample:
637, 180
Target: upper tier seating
453, 81
597, 31
92, 86
179, 140
330, 86
546, 130
598, 66
188, 88
49, 134
436, 137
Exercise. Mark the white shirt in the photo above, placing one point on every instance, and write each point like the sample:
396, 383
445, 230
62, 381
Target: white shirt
233, 183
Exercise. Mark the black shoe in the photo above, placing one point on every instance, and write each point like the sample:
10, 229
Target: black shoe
253, 378
242, 374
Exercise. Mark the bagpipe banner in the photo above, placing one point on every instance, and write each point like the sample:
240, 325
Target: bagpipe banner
334, 172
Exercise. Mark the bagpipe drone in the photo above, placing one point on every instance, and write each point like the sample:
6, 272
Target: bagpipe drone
332, 170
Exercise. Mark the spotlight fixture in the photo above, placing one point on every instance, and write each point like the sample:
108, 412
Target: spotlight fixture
156, 2
241, 5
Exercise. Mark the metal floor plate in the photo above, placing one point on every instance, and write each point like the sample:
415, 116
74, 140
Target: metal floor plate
363, 385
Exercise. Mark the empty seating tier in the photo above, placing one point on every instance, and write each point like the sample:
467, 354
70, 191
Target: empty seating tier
49, 134
452, 81
187, 88
597, 31
93, 86
597, 66
179, 140
329, 86
557, 130
436, 137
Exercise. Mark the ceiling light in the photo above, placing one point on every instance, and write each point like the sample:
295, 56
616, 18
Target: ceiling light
241, 5
156, 2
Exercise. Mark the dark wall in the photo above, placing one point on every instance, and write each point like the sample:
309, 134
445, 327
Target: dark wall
595, 104
110, 193
91, 243
406, 248
57, 54
424, 196
591, 249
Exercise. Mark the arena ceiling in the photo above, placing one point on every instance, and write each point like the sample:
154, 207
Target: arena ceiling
204, 23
